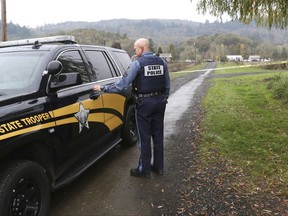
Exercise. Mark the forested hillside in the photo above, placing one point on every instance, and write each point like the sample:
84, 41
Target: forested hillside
183, 39
171, 31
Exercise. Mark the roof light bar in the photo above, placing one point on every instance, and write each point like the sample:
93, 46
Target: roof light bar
66, 39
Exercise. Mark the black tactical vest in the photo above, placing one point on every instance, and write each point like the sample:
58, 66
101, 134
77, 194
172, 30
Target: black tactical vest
150, 78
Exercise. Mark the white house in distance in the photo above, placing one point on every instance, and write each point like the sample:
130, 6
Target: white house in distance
234, 57
254, 58
166, 56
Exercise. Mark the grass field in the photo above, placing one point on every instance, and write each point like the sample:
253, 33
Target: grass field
248, 127
174, 75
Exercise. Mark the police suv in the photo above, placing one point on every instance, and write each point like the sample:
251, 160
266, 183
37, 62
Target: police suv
52, 125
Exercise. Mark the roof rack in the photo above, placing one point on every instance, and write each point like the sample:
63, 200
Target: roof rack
65, 39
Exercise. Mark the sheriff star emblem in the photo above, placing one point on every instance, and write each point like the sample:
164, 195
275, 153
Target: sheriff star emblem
82, 117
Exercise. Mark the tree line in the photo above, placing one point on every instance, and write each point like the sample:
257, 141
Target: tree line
198, 48
218, 46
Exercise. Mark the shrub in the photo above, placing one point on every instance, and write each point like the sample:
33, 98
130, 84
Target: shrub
280, 66
279, 87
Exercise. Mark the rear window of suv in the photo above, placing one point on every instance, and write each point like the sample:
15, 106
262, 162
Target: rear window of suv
101, 64
122, 59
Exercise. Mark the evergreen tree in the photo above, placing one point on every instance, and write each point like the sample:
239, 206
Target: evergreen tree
116, 45
152, 47
284, 54
159, 50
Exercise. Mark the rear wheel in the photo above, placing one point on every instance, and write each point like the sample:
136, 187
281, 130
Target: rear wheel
24, 189
129, 131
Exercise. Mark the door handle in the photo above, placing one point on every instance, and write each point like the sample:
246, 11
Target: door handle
94, 95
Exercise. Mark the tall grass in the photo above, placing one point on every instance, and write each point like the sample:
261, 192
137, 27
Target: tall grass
278, 84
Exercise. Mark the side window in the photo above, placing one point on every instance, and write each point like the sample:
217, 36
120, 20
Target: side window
73, 63
100, 64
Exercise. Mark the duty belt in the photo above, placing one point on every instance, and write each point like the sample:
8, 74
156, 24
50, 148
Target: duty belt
145, 95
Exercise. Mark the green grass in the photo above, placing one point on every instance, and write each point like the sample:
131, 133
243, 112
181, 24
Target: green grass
242, 69
248, 127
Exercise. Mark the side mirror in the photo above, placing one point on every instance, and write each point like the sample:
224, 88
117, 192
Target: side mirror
54, 67
65, 80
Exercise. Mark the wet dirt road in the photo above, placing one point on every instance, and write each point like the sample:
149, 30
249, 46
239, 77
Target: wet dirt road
108, 189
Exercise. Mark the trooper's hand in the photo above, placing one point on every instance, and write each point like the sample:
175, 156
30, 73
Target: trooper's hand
97, 88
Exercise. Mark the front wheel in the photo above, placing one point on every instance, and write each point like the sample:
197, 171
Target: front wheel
24, 189
129, 131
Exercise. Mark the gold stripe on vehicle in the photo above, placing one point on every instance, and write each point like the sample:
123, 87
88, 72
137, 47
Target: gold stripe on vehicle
109, 101
74, 108
112, 121
71, 109
96, 117
66, 121
27, 130
92, 104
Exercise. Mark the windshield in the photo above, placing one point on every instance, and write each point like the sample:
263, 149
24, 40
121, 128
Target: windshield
19, 72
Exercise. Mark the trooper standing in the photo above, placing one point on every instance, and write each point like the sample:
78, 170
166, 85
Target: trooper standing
151, 86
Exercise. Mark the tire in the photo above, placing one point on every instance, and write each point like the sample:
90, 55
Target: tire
24, 189
129, 131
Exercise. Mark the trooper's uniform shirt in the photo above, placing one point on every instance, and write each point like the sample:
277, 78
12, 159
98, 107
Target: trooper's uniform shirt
151, 85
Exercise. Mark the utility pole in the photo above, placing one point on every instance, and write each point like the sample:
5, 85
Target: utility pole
3, 20
195, 52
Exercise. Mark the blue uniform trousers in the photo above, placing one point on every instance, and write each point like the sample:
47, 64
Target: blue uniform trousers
150, 121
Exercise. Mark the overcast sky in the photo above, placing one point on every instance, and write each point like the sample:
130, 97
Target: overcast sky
33, 13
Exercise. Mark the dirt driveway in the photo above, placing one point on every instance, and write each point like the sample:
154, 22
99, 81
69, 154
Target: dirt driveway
107, 188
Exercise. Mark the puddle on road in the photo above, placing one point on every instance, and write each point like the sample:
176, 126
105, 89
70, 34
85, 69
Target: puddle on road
179, 102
